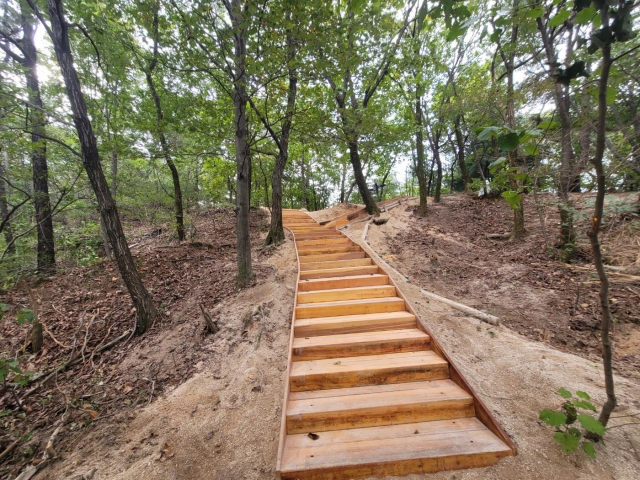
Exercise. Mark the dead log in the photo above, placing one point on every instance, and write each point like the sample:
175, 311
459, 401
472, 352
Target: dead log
365, 231
498, 236
485, 317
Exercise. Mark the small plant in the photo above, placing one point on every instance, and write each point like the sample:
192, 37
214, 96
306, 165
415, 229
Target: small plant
567, 433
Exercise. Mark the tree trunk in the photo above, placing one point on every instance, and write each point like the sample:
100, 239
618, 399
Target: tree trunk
267, 203
436, 156
147, 313
4, 210
166, 152
343, 179
367, 198
243, 156
607, 349
303, 179
114, 173
420, 171
433, 162
35, 124
461, 157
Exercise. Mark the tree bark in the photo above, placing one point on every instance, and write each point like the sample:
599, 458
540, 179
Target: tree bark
607, 348
420, 170
4, 210
166, 152
461, 156
243, 155
146, 310
36, 121
343, 180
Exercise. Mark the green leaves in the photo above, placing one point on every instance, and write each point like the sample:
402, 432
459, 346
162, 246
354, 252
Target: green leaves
560, 17
564, 393
3, 309
591, 424
553, 418
568, 441
514, 199
25, 316
587, 447
509, 141
535, 12
583, 395
585, 15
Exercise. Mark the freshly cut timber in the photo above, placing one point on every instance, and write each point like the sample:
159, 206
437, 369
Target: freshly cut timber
370, 392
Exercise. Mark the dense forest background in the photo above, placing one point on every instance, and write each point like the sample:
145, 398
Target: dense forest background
140, 118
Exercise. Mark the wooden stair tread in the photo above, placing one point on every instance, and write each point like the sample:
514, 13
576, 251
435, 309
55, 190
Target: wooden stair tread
421, 447
338, 272
410, 402
344, 294
355, 344
358, 262
330, 283
367, 370
367, 322
350, 307
326, 257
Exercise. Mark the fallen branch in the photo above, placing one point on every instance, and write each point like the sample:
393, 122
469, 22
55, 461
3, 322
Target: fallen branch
498, 236
485, 317
212, 326
365, 231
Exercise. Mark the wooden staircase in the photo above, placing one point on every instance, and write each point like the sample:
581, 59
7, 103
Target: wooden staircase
370, 392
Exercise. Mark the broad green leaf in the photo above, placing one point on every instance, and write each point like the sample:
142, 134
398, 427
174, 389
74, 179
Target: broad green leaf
560, 17
553, 418
591, 424
514, 199
582, 394
487, 133
535, 12
493, 165
585, 16
564, 393
587, 447
584, 404
509, 141
548, 125
356, 5
568, 441
521, 177
531, 149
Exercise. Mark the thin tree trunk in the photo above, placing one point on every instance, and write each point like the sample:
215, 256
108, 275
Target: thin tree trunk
114, 173
369, 202
433, 162
461, 160
4, 210
343, 179
303, 176
36, 123
607, 348
146, 310
266, 184
166, 152
420, 171
436, 156
243, 156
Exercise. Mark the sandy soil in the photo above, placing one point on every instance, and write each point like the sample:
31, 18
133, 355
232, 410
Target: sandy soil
337, 210
223, 422
516, 378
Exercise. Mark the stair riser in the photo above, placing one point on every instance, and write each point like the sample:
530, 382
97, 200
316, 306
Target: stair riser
373, 348
347, 294
370, 377
333, 241
373, 417
328, 273
316, 250
399, 467
332, 328
318, 285
358, 262
317, 311
327, 257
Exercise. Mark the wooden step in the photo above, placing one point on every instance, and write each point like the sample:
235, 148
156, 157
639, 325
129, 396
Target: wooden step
338, 272
356, 344
358, 262
326, 257
350, 307
324, 410
373, 322
342, 282
423, 447
324, 241
343, 294
367, 370
316, 235
319, 250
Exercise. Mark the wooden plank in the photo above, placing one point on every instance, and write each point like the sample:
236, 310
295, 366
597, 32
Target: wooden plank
356, 344
341, 240
350, 307
367, 370
318, 250
326, 257
353, 324
437, 400
358, 262
392, 450
342, 282
343, 294
338, 272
